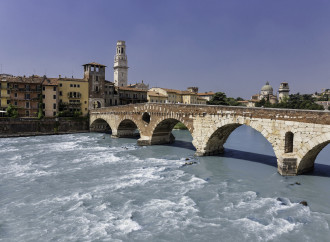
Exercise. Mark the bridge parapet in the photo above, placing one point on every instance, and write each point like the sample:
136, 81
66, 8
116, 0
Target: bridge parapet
297, 136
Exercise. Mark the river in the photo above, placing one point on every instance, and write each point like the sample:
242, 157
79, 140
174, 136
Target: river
83, 187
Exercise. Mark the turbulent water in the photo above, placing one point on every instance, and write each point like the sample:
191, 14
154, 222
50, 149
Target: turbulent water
81, 187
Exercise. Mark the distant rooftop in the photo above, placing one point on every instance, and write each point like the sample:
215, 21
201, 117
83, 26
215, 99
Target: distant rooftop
94, 64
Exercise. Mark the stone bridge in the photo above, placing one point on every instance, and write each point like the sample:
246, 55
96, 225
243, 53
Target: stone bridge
297, 136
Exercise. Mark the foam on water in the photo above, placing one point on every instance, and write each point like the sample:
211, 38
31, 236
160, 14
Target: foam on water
82, 187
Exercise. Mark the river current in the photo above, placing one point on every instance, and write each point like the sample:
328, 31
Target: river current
90, 187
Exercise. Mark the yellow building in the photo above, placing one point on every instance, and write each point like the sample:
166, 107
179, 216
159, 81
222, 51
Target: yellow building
50, 97
4, 94
156, 97
73, 95
165, 95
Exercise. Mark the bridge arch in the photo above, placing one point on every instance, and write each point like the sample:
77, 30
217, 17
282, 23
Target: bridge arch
100, 125
217, 136
127, 128
162, 130
311, 150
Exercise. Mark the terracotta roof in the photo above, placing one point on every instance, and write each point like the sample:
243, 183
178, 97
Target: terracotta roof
171, 90
188, 93
94, 64
131, 89
50, 82
156, 94
22, 79
205, 94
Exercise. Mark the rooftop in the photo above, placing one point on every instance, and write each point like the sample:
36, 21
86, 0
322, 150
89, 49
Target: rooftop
94, 64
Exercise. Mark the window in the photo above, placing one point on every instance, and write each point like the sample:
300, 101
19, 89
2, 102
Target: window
27, 113
96, 88
74, 85
60, 93
54, 89
27, 105
78, 85
8, 91
15, 94
54, 113
60, 84
8, 101
27, 95
43, 96
71, 85
43, 88
27, 87
54, 96
54, 106
15, 103
97, 78
288, 142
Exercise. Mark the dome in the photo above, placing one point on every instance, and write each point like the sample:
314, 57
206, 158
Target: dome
267, 88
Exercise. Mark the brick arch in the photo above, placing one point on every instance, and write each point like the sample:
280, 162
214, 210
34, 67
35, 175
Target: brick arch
311, 150
138, 123
96, 119
161, 129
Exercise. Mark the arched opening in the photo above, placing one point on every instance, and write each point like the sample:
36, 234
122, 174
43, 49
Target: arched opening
308, 161
101, 126
96, 104
218, 139
127, 129
288, 148
172, 130
241, 142
146, 117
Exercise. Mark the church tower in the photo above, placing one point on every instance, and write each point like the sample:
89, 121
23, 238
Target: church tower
120, 65
283, 91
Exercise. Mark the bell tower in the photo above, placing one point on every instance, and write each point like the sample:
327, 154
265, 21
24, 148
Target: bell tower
120, 65
283, 91
94, 73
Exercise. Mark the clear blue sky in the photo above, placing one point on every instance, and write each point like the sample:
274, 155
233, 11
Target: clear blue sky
233, 46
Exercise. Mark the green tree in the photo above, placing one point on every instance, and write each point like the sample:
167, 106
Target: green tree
219, 98
12, 111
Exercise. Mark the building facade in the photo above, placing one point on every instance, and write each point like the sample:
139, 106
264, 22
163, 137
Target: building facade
111, 96
50, 97
25, 94
175, 96
73, 96
128, 95
4, 93
94, 73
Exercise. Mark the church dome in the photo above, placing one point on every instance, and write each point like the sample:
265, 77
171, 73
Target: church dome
267, 88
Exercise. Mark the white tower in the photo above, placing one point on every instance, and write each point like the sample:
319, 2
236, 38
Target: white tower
120, 66
283, 91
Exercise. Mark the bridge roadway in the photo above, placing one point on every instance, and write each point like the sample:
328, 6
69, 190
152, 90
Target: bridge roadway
297, 136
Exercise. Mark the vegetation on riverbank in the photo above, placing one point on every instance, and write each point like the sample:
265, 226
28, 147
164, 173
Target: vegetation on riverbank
180, 126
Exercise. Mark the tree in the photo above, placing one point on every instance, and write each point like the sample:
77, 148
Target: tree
219, 98
12, 111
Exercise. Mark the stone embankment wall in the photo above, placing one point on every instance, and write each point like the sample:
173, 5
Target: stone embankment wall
31, 127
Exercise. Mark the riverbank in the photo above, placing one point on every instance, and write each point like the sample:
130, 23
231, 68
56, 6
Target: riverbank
22, 127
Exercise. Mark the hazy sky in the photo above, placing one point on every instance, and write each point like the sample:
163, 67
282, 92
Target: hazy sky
233, 46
